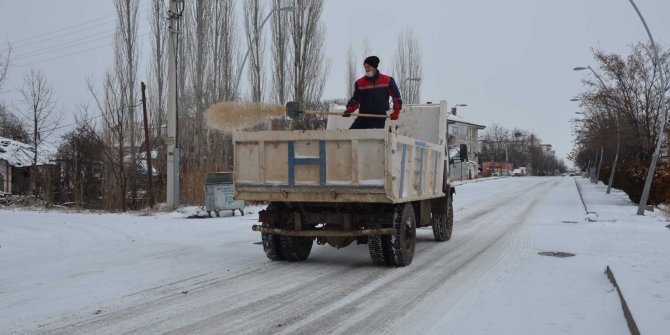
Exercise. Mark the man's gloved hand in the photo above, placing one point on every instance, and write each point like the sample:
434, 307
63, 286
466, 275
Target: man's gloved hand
348, 112
395, 115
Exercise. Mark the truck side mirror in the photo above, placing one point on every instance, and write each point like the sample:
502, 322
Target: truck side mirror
463, 152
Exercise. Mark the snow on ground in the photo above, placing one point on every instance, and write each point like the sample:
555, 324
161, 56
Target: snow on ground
59, 268
54, 264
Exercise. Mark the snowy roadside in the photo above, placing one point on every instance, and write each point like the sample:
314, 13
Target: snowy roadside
554, 295
637, 253
62, 268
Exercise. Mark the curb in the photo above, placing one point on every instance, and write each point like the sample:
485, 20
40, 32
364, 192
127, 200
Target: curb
632, 326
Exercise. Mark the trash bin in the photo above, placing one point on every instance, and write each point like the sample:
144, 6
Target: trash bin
219, 193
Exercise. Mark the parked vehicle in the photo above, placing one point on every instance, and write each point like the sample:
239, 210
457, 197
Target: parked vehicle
517, 173
338, 186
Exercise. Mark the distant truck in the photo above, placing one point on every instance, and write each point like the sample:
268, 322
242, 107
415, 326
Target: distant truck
337, 186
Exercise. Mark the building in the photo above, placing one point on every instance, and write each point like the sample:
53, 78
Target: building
16, 159
547, 150
464, 132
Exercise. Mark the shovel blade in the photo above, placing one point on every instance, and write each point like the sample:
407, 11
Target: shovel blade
293, 110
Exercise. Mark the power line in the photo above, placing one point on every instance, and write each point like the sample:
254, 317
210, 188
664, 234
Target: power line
96, 117
75, 41
73, 53
141, 22
67, 45
18, 42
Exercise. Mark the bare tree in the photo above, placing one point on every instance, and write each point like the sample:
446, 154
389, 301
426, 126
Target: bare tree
127, 54
40, 112
11, 126
366, 49
4, 63
408, 65
157, 70
350, 75
307, 41
81, 155
280, 53
253, 14
158, 84
224, 51
632, 95
111, 106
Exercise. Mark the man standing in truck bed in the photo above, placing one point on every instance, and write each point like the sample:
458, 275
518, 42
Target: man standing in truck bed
371, 96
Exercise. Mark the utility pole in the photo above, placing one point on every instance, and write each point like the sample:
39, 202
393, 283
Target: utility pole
171, 140
147, 146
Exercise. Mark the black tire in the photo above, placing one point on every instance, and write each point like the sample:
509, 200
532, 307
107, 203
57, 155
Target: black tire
209, 213
376, 246
400, 246
295, 248
271, 243
241, 212
443, 223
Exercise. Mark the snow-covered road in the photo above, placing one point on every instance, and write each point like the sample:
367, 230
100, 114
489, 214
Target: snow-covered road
111, 274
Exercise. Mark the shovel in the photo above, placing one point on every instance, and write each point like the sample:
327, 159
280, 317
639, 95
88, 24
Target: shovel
293, 111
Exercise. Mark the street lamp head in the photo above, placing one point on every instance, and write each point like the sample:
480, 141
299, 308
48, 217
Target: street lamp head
460, 105
580, 68
575, 99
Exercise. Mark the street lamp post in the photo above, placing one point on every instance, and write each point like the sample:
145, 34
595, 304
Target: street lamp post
275, 9
650, 173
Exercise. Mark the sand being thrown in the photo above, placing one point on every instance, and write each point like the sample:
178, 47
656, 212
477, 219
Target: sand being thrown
230, 116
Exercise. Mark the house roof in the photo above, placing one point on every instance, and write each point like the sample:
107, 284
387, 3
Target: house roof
20, 154
451, 118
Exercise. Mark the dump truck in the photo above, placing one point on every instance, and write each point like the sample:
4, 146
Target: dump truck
340, 185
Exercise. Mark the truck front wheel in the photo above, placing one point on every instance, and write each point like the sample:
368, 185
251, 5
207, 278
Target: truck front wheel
443, 222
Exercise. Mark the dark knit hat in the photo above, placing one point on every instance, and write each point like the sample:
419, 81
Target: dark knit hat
372, 61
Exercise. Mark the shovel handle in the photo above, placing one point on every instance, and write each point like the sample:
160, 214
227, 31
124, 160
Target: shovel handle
379, 116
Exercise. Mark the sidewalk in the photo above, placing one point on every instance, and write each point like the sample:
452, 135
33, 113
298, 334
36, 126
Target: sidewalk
637, 250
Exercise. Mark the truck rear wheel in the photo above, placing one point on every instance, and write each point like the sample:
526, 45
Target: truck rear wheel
271, 244
443, 222
401, 244
379, 252
295, 248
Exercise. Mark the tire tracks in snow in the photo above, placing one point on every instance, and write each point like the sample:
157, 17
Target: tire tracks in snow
345, 294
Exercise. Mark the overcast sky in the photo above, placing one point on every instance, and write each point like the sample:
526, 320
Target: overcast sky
509, 61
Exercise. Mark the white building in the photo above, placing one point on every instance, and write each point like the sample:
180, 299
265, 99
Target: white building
462, 131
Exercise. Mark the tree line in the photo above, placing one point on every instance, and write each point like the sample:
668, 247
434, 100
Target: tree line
622, 114
102, 163
521, 148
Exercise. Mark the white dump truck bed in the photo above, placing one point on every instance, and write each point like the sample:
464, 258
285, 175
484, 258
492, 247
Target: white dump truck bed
342, 165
